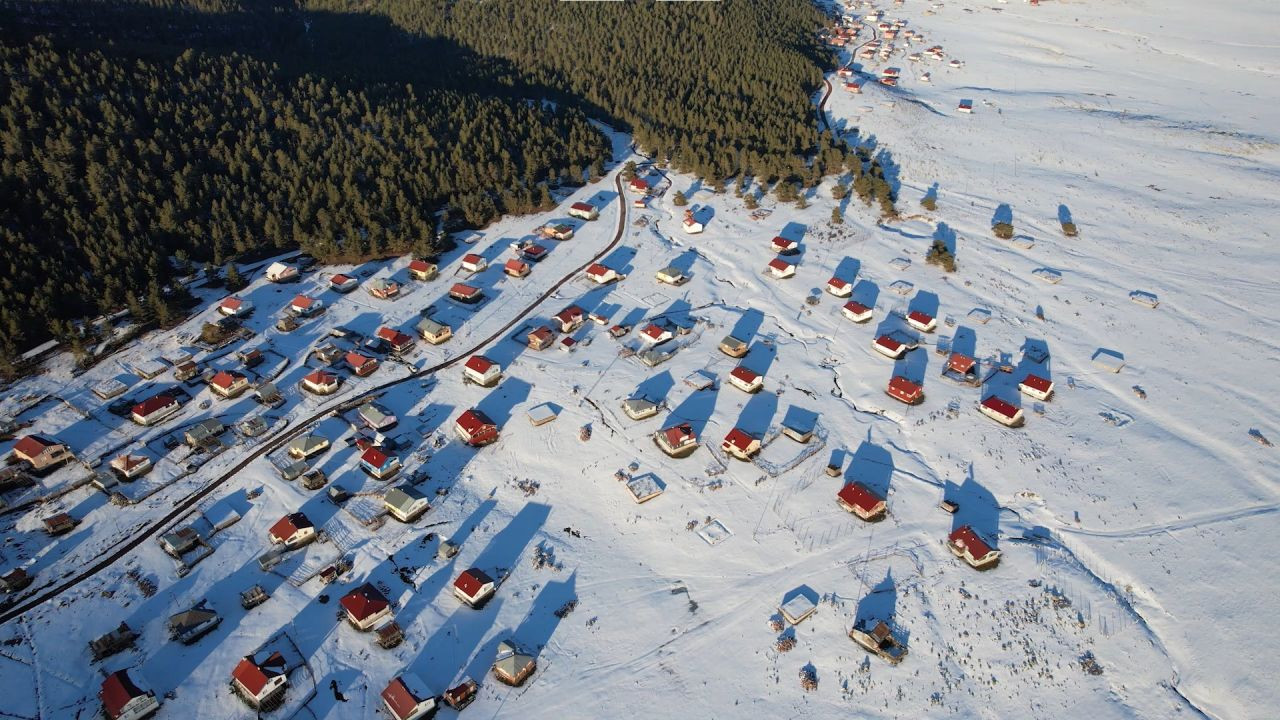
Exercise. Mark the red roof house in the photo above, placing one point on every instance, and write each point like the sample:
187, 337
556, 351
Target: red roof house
856, 311
540, 338
473, 587
154, 409
655, 334
516, 268
475, 428
463, 292
40, 452
293, 530
638, 185
861, 501
406, 698
320, 382
261, 684
228, 384
361, 365
584, 211
601, 274
783, 245
889, 347
922, 321
474, 263
839, 287
740, 444
780, 268
570, 318
965, 543
122, 699
1036, 386
343, 283
481, 370
961, 363
422, 270
904, 390
399, 342
533, 252
366, 606
745, 379
677, 440
1002, 412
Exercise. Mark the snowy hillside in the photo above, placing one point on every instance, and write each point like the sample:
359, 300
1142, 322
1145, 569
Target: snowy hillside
1134, 511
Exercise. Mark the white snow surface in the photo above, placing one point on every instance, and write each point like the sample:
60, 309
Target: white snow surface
1136, 528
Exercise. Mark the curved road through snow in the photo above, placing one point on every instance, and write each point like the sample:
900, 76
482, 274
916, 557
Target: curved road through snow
285, 435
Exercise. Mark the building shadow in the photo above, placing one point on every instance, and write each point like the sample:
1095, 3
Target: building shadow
872, 466
978, 507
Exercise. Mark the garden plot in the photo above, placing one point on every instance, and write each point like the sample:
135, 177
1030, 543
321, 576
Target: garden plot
780, 454
714, 532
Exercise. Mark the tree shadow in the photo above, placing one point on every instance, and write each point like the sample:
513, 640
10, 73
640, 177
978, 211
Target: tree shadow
931, 193
891, 170
1064, 215
1003, 214
947, 235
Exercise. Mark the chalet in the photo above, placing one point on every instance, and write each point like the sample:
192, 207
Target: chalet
340, 283
889, 347
922, 321
361, 365
799, 424
384, 288
118, 640
961, 367
640, 203
691, 224
482, 371
305, 306
780, 269
204, 434
618, 332
405, 504
875, 636
654, 335
839, 288
252, 427
671, 276
639, 408
904, 390
799, 607
568, 344
966, 544
187, 369
15, 580
861, 501
131, 466
533, 252
892, 72
320, 383
856, 311
746, 379
250, 357
926, 77
570, 318
465, 293
379, 464
965, 106
889, 81
844, 72
389, 634
740, 444
784, 246
599, 318
292, 531
601, 274
733, 347
235, 307
154, 409
473, 587
461, 695
262, 683
180, 541
307, 446
678, 440
475, 428
406, 698
268, 394
60, 523
1002, 412
540, 338
639, 185
40, 453
124, 699
433, 331
400, 342
189, 626
365, 606
583, 211
229, 383
375, 417
279, 272
512, 666
557, 232
1036, 386
516, 268
423, 270
474, 263
855, 86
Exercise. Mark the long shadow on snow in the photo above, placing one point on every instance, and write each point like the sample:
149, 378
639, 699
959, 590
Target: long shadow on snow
978, 507
871, 465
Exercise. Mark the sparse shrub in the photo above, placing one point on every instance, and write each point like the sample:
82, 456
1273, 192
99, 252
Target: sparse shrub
930, 202
1069, 229
801, 202
840, 191
1003, 230
751, 203
836, 217
679, 200
941, 256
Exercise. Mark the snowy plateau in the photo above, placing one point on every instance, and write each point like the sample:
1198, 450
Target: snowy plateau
1134, 510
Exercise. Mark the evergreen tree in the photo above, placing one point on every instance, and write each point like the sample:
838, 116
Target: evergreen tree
836, 217
679, 200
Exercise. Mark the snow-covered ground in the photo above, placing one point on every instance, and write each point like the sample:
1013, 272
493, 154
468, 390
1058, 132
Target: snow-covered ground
1134, 511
